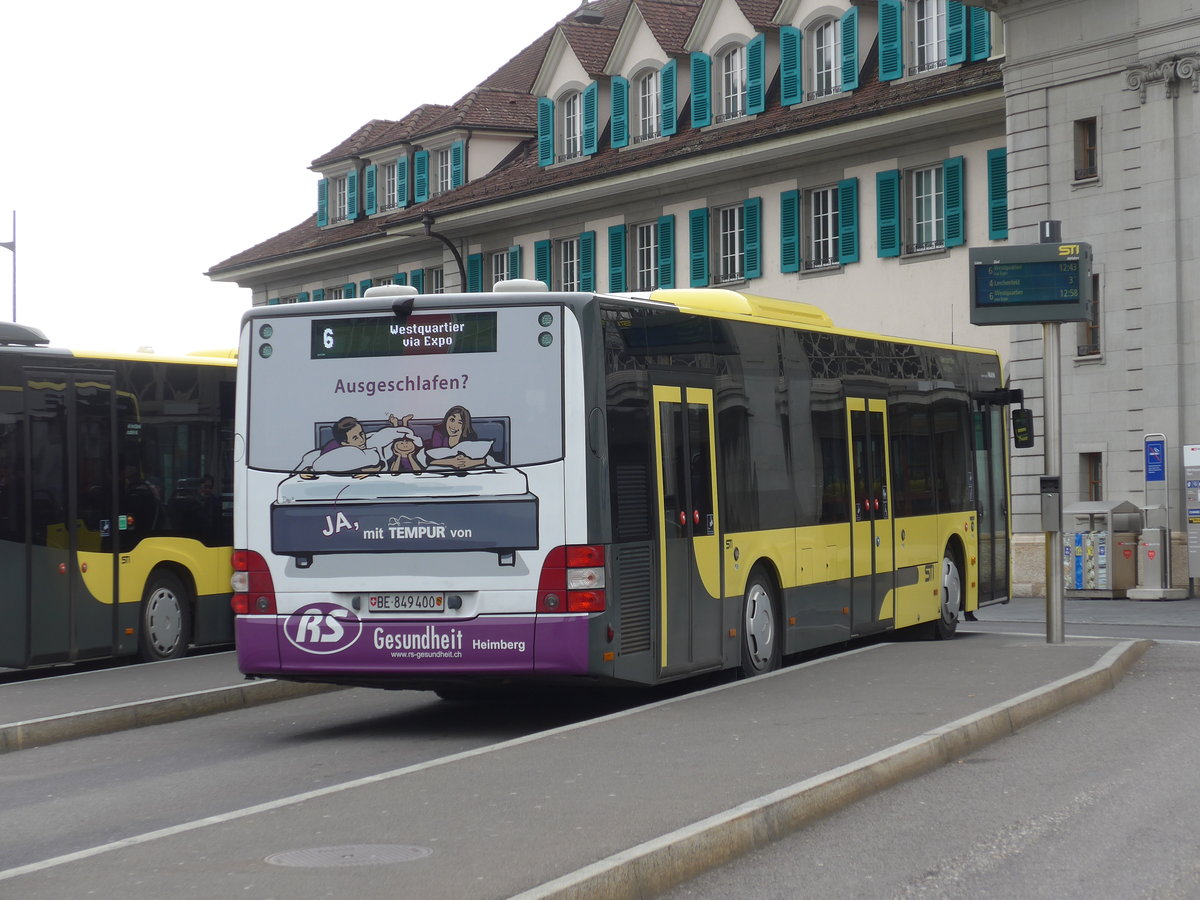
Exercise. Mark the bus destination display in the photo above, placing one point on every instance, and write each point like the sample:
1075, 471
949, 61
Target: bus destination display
1036, 283
384, 336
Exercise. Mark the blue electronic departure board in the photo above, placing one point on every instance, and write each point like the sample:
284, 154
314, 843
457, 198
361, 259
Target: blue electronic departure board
1031, 283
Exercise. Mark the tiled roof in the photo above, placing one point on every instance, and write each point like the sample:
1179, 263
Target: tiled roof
760, 13
521, 175
670, 21
592, 41
483, 108
382, 133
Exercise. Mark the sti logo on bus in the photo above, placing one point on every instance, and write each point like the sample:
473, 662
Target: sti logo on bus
322, 628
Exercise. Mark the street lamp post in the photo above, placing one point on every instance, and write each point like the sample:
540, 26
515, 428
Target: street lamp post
12, 245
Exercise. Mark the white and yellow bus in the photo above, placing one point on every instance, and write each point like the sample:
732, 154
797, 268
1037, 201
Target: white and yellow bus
116, 495
441, 491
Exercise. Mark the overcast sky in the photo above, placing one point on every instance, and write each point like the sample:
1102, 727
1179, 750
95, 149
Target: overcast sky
144, 142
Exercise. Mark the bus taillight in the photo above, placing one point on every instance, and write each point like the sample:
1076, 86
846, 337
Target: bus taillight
572, 580
253, 589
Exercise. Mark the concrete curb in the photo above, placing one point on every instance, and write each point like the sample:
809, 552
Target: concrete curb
105, 720
656, 866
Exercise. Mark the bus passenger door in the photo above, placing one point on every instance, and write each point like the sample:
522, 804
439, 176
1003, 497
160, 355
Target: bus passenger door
689, 547
991, 477
71, 451
872, 548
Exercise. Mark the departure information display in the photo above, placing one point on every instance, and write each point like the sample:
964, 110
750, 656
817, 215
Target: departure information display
1029, 284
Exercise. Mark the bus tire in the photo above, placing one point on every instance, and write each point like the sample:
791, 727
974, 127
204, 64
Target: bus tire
950, 598
165, 618
761, 635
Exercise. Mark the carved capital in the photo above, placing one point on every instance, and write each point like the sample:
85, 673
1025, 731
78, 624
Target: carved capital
1143, 74
1188, 68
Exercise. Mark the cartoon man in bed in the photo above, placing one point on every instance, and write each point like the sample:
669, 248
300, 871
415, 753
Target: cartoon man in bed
352, 451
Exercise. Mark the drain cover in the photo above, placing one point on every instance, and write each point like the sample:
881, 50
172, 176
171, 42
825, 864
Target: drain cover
351, 855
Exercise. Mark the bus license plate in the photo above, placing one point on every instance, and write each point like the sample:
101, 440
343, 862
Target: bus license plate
406, 602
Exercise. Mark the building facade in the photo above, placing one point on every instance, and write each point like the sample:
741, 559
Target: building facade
844, 154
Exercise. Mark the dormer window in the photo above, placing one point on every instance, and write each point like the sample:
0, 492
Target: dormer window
649, 106
337, 199
570, 113
443, 171
733, 84
827, 59
930, 20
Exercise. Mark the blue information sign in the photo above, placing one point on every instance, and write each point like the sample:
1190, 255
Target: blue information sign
1156, 460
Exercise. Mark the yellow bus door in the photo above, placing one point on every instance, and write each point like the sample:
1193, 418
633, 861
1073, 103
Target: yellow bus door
71, 448
689, 619
872, 543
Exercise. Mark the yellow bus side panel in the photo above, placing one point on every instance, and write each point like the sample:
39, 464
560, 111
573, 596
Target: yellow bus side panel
209, 566
801, 556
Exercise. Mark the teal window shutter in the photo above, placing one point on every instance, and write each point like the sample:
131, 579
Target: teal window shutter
752, 237
369, 176
319, 294
302, 297
591, 116
545, 135
891, 40
849, 33
349, 290
666, 251
514, 261
791, 65
756, 74
789, 231
953, 186
362, 287
980, 27
458, 151
402, 182
420, 176
848, 221
620, 112
701, 90
616, 258
417, 279
666, 88
474, 273
400, 278
272, 301
587, 261
956, 33
322, 202
352, 195
997, 180
698, 246
541, 262
887, 203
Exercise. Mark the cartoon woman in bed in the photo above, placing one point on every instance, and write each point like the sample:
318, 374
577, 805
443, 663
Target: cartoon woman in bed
353, 451
455, 444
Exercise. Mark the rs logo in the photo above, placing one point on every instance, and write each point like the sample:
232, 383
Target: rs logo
322, 628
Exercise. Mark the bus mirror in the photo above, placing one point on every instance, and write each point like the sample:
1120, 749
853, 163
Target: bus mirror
1022, 426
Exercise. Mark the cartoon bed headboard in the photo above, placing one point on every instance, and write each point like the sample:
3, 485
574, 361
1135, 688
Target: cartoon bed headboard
487, 428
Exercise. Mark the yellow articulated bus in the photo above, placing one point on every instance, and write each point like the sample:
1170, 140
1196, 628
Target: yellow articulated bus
480, 488
116, 489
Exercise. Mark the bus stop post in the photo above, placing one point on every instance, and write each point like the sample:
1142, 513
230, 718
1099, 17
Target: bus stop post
1052, 482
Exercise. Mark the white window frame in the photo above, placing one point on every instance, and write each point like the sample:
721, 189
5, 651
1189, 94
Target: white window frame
822, 220
649, 106
645, 256
826, 58
732, 86
497, 267
568, 264
386, 199
926, 203
435, 280
443, 170
339, 192
929, 35
731, 244
571, 125
336, 293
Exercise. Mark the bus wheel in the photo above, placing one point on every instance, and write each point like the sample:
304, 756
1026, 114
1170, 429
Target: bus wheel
761, 644
166, 618
951, 599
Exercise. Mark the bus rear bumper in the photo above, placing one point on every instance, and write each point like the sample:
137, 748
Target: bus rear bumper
325, 640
